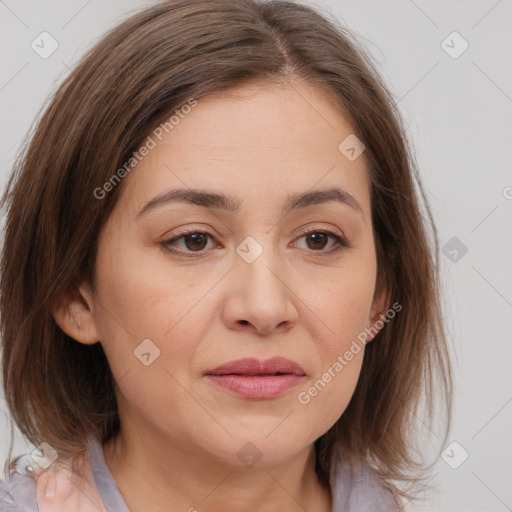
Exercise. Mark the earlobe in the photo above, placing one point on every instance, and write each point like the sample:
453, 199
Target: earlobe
74, 314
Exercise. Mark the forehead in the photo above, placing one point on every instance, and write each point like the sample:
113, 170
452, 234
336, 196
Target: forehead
257, 143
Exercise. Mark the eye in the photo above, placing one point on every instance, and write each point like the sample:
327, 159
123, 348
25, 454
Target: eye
194, 242
319, 238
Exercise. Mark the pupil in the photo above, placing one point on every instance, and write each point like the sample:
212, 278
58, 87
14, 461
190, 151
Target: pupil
196, 238
321, 236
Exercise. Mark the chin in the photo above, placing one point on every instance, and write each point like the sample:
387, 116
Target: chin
259, 450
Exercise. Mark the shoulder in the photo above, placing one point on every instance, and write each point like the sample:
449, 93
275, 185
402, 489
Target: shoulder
371, 489
18, 494
358, 489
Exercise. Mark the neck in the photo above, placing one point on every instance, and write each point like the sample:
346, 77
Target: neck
154, 473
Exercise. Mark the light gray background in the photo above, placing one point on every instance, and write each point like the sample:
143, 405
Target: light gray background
458, 114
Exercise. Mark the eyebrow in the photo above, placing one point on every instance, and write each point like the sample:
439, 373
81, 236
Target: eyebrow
230, 204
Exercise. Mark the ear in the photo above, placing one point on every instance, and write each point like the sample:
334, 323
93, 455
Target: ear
74, 314
380, 304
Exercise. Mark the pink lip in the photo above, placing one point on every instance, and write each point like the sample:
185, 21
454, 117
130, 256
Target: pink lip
254, 378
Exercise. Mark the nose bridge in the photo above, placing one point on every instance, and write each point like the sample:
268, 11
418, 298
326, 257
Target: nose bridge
259, 264
259, 293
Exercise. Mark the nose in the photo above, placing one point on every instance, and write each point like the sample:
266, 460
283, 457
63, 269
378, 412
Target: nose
259, 296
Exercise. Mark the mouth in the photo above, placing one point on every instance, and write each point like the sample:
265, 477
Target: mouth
253, 378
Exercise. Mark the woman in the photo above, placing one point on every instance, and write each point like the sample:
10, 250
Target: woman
218, 290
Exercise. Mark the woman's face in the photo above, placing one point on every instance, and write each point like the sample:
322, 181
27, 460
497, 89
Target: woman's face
250, 283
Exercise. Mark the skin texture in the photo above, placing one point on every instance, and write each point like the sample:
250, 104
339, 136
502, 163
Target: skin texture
181, 434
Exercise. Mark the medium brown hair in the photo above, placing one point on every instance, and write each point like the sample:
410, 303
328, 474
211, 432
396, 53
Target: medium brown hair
61, 391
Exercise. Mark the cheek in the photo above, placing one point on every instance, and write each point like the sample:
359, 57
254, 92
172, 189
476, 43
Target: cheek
328, 391
150, 329
326, 395
146, 294
343, 313
137, 303
345, 307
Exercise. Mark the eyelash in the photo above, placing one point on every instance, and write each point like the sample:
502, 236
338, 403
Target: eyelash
341, 243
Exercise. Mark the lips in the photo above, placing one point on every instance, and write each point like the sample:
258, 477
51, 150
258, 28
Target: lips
253, 378
251, 366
